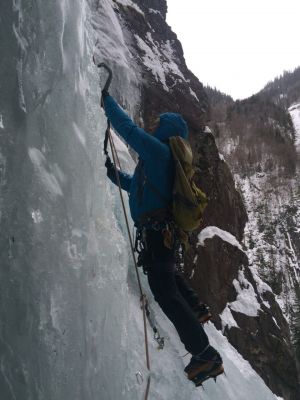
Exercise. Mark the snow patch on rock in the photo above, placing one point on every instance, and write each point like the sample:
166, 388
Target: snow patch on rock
211, 231
159, 59
246, 302
227, 319
295, 115
129, 3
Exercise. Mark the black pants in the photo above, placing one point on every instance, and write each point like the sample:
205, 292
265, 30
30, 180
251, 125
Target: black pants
173, 294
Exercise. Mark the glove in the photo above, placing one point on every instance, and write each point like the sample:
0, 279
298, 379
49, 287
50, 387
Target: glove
104, 94
110, 167
109, 164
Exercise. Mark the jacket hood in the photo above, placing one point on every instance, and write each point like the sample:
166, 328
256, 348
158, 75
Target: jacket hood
171, 124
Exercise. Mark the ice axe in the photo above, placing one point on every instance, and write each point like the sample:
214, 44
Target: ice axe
108, 70
105, 89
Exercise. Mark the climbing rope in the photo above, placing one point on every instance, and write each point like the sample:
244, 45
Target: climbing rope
142, 295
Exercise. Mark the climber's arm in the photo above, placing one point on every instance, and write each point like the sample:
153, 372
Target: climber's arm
143, 143
125, 179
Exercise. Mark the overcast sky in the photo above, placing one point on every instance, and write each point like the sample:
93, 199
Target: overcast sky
237, 46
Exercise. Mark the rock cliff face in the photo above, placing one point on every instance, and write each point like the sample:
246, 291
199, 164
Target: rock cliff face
259, 138
220, 269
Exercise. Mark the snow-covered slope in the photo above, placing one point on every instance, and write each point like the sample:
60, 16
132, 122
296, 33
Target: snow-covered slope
71, 323
262, 148
295, 114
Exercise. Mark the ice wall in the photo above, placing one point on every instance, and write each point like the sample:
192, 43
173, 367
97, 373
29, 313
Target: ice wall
71, 324
63, 263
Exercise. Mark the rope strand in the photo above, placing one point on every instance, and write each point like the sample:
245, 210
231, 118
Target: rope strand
142, 296
115, 151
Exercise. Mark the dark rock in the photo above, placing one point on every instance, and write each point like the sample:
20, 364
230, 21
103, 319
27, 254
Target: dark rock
265, 342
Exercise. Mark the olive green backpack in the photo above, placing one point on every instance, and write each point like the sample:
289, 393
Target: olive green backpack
188, 201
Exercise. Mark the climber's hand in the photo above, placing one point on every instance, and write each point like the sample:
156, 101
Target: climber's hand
109, 166
104, 94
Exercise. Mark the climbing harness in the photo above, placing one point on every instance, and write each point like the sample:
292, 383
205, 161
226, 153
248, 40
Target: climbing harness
141, 248
143, 299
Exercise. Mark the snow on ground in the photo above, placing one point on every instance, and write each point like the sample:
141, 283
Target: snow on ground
295, 114
169, 382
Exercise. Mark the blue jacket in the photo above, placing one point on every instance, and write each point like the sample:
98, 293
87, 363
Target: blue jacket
150, 187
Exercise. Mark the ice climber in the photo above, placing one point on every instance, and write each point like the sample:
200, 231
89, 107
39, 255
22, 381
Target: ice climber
150, 192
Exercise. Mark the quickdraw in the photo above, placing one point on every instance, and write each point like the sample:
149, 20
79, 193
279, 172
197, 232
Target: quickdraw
159, 339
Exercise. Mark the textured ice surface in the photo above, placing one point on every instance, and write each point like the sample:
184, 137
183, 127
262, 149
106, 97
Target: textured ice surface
71, 325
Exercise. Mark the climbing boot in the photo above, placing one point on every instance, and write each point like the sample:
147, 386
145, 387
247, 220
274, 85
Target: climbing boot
205, 365
203, 313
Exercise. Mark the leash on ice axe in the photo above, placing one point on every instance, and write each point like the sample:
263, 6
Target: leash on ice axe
109, 138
